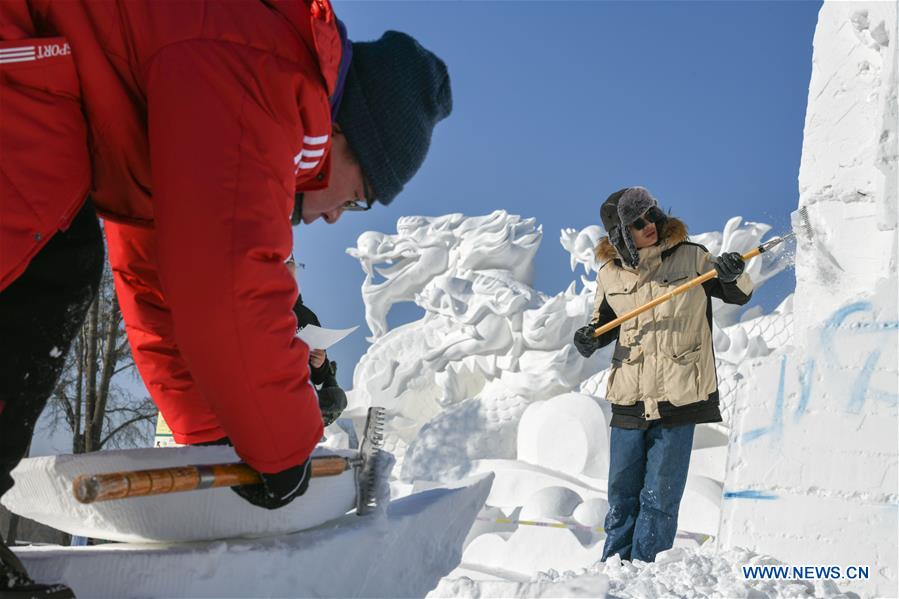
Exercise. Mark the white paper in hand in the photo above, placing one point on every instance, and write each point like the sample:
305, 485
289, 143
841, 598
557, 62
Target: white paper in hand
319, 338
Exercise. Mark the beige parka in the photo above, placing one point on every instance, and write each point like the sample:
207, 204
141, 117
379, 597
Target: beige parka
666, 353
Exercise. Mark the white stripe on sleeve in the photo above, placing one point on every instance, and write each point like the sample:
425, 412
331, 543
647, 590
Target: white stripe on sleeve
315, 141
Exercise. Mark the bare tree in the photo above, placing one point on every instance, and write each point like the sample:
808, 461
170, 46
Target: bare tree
90, 397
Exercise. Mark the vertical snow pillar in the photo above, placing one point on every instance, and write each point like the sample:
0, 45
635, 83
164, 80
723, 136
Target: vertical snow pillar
847, 177
812, 468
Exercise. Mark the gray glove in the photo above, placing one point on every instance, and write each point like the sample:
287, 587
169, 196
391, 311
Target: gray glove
584, 340
729, 266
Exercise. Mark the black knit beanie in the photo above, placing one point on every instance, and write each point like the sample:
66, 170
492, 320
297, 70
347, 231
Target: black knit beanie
396, 91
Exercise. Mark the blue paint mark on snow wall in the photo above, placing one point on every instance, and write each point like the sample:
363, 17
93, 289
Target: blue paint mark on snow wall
749, 494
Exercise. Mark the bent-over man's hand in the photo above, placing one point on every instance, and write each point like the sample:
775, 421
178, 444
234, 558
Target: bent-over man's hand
279, 489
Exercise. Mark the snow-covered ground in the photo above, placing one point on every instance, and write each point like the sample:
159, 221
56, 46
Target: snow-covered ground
803, 470
679, 572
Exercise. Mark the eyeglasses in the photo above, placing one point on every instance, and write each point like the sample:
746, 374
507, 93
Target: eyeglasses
291, 261
653, 215
361, 205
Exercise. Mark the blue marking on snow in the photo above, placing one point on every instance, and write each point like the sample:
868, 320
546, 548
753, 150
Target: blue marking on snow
806, 372
777, 423
749, 494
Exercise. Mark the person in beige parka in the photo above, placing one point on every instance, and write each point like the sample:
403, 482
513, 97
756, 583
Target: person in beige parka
662, 381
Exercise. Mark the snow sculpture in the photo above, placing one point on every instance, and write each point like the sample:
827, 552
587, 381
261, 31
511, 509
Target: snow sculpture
583, 447
551, 502
488, 344
591, 513
488, 381
812, 470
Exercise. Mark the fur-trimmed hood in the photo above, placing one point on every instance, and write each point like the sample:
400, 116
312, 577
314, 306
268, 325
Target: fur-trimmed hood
673, 232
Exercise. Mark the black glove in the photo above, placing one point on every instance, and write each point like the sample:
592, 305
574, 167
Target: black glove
729, 266
279, 489
331, 398
584, 340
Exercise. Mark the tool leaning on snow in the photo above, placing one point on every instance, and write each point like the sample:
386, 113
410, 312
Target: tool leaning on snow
91, 488
801, 223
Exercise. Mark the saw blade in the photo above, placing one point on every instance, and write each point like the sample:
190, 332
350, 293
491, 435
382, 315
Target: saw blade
367, 472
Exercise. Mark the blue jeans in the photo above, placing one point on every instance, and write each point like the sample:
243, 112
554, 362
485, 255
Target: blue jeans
647, 475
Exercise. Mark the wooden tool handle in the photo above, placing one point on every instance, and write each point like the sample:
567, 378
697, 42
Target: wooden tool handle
141, 483
664, 298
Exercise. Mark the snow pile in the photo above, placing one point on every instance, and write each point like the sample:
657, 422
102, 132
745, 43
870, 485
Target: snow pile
813, 473
679, 572
402, 553
467, 588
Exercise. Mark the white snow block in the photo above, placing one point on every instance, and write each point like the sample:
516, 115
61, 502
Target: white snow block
848, 172
709, 462
700, 507
812, 470
43, 492
403, 553
567, 433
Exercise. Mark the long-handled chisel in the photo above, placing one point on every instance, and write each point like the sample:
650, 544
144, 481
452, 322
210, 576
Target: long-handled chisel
801, 226
141, 483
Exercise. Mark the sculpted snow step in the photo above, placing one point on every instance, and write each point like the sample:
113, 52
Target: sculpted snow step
401, 552
43, 492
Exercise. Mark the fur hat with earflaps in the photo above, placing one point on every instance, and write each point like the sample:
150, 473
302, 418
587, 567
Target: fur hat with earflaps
620, 210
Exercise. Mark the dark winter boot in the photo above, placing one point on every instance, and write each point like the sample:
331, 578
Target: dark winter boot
16, 584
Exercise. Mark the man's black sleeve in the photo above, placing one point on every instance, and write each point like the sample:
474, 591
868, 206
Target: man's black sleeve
606, 315
729, 293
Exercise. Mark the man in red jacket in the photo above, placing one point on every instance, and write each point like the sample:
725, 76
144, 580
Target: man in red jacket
200, 130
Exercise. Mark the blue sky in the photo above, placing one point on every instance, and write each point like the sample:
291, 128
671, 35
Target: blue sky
558, 104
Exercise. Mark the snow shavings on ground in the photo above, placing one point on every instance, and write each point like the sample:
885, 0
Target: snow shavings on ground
680, 572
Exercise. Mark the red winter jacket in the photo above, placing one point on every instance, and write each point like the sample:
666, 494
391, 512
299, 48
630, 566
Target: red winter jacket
192, 124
